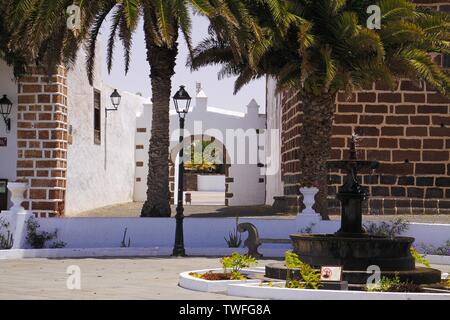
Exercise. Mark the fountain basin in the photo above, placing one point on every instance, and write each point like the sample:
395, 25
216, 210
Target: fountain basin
355, 253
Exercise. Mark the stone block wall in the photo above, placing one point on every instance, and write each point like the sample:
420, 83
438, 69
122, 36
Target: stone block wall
408, 131
42, 140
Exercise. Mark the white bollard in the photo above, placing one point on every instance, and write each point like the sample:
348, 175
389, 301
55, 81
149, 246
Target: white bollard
18, 213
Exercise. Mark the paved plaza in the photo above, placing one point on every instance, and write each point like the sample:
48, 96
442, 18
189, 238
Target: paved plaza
133, 209
148, 278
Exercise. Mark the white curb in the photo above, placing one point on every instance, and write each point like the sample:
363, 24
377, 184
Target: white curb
256, 291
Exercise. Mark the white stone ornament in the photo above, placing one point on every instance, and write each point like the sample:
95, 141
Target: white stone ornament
309, 195
17, 195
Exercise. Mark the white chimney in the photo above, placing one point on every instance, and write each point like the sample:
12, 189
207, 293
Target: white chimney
201, 100
253, 109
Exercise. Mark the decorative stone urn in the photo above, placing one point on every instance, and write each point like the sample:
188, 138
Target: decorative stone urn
309, 195
17, 190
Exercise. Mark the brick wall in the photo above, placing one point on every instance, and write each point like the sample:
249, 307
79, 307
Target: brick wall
407, 130
42, 141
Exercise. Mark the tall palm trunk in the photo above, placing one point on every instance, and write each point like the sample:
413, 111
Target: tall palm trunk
162, 62
316, 135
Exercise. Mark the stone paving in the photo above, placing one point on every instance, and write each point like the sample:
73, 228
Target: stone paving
133, 209
110, 279
139, 278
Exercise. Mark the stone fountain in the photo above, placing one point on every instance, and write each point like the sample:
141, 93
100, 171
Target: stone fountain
351, 247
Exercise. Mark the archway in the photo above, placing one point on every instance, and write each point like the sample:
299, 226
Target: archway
207, 169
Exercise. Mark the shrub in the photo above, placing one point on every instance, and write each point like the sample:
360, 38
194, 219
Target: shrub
308, 229
394, 285
236, 262
385, 284
387, 229
443, 250
234, 237
419, 258
310, 277
37, 239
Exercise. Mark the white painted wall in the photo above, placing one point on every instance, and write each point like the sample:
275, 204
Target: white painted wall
8, 155
99, 175
211, 183
274, 185
213, 122
143, 120
199, 232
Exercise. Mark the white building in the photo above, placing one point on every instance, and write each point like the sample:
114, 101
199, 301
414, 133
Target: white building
237, 134
76, 157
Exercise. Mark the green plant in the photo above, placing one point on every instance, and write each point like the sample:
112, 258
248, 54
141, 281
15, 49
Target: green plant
308, 229
234, 237
394, 285
236, 262
443, 250
37, 239
385, 284
236, 275
389, 229
310, 278
6, 241
419, 258
124, 244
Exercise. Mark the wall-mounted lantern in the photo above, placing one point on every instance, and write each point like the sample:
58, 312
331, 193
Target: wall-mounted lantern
116, 98
5, 110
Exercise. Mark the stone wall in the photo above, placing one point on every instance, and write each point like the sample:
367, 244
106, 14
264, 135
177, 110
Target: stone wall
42, 140
407, 130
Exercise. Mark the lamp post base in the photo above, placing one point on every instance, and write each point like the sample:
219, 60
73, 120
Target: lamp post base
179, 252
178, 249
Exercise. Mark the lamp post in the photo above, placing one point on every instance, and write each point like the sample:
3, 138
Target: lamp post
5, 110
182, 102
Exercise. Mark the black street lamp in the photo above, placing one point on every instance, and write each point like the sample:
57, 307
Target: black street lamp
116, 98
5, 110
182, 102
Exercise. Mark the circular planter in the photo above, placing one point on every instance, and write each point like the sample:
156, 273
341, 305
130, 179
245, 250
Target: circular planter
192, 283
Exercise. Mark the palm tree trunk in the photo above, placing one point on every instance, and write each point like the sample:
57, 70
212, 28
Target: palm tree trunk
318, 113
162, 62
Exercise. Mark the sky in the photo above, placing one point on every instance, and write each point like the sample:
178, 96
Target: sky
219, 92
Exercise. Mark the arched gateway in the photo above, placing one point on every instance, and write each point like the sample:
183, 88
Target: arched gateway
232, 139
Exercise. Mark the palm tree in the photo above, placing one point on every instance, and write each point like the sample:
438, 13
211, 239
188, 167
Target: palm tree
326, 47
39, 27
